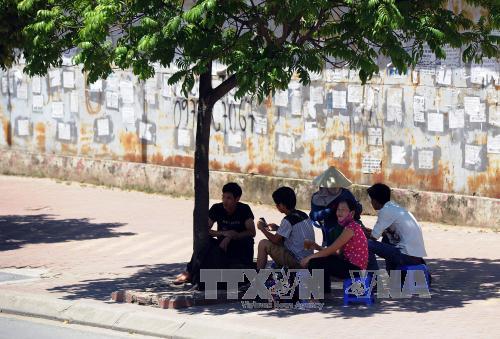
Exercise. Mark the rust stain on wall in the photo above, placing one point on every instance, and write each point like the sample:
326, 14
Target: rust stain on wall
378, 177
7, 130
40, 136
401, 176
311, 152
434, 181
132, 146
179, 161
483, 183
232, 166
215, 165
85, 150
68, 149
265, 169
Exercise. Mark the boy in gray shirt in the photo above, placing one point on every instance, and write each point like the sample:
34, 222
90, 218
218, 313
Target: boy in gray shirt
286, 246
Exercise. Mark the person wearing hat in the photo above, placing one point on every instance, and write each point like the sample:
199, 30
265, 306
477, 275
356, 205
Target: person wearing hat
333, 188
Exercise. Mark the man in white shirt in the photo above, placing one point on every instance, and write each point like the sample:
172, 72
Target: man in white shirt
402, 243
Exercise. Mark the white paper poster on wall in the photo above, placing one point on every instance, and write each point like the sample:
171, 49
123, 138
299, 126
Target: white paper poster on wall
456, 118
339, 99
398, 155
127, 92
103, 127
449, 97
22, 90
309, 110
311, 131
112, 83
443, 76
435, 122
145, 131
472, 105
494, 115
69, 79
286, 144
375, 136
183, 137
74, 102
338, 148
316, 95
369, 98
281, 98
418, 108
128, 115
55, 78
57, 109
37, 103
218, 113
296, 102
426, 159
5, 85
64, 131
234, 139
23, 127
36, 85
354, 93
371, 164
472, 154
150, 91
112, 100
12, 82
395, 104
480, 115
493, 144
260, 125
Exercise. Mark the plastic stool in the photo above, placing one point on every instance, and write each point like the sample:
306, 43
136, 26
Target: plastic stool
410, 274
358, 289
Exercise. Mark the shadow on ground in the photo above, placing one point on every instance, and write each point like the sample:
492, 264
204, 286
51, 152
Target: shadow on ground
19, 230
150, 278
456, 282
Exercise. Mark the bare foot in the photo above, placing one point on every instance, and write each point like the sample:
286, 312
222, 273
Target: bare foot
182, 278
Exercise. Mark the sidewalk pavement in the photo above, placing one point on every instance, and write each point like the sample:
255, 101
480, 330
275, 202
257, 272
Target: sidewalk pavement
78, 243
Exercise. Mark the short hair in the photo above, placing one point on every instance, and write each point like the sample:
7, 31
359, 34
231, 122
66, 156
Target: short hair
233, 188
286, 196
350, 204
380, 193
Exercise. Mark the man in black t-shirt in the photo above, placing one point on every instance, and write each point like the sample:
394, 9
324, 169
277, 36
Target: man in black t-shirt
231, 245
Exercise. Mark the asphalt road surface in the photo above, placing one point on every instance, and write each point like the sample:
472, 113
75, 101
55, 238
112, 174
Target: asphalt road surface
18, 327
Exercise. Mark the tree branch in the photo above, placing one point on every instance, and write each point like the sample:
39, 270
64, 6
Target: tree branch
224, 88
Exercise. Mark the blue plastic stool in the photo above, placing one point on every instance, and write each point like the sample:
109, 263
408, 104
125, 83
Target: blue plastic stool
410, 274
358, 289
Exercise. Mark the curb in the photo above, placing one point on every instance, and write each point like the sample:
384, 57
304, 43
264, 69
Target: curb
118, 317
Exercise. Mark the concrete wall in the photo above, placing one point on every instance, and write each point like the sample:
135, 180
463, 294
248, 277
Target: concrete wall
437, 207
435, 129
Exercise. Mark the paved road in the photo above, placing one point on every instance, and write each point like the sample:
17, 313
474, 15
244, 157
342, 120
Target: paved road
89, 241
16, 327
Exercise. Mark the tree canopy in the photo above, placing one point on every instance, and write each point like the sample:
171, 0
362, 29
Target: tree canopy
262, 42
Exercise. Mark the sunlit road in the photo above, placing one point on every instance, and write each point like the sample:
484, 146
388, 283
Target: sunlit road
17, 327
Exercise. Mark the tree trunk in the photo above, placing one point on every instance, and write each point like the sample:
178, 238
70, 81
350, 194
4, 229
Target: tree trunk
201, 160
207, 98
